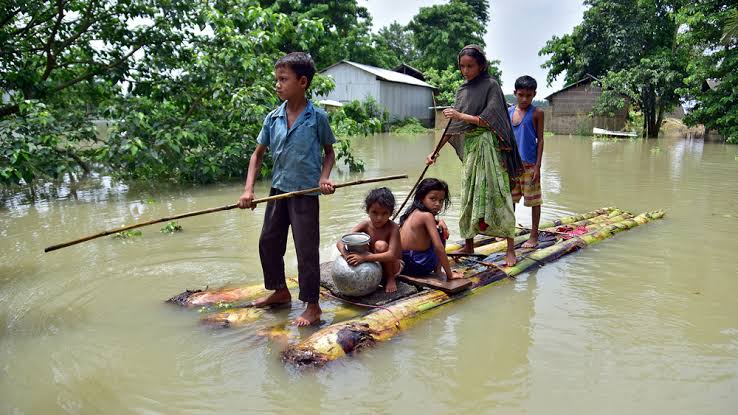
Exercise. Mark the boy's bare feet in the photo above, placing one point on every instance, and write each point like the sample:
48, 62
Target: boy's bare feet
310, 316
532, 242
510, 259
391, 285
281, 296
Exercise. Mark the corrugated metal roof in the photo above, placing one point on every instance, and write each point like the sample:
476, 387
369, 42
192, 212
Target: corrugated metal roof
385, 75
587, 78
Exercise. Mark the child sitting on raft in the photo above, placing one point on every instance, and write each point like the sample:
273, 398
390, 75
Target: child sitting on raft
424, 239
384, 244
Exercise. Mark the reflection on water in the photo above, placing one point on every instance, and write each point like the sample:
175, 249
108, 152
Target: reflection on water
645, 321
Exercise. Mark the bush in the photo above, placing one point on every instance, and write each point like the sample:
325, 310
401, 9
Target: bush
409, 125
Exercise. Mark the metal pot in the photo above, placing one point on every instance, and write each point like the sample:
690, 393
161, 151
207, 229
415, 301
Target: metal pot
356, 242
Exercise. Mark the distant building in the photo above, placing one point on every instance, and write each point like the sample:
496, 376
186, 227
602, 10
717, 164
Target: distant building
409, 70
402, 95
570, 108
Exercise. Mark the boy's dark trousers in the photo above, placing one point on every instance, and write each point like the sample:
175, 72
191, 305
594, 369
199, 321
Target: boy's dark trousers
300, 212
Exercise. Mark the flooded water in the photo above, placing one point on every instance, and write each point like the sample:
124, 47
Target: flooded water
645, 322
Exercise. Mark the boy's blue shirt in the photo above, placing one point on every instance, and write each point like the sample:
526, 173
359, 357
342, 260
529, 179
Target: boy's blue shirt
525, 135
297, 151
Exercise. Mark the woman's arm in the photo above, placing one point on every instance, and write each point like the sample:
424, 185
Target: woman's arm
453, 114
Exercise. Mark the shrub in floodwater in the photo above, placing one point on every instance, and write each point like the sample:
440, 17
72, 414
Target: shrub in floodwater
171, 227
409, 125
131, 233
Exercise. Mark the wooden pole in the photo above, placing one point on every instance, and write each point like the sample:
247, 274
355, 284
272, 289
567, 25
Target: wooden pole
218, 209
435, 153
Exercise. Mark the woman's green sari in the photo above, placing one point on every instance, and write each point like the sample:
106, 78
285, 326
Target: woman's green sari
485, 188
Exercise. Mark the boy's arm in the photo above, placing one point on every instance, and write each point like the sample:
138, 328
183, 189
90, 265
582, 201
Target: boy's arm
326, 185
254, 165
538, 124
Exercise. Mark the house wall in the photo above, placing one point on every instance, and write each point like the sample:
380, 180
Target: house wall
568, 112
351, 83
403, 100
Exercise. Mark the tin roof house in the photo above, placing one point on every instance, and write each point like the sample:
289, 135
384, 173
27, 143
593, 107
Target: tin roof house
402, 95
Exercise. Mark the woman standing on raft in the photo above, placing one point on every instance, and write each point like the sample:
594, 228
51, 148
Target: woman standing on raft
482, 136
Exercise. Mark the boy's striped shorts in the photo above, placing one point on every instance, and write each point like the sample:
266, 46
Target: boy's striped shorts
526, 187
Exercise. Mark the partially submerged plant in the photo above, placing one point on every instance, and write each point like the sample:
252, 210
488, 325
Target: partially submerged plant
128, 234
171, 227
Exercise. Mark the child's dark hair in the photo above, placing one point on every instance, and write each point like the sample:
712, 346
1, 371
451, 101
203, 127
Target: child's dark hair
426, 186
300, 63
475, 52
526, 82
381, 196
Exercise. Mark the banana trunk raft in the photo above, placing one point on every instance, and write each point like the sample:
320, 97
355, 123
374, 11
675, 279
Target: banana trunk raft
352, 336
232, 297
229, 307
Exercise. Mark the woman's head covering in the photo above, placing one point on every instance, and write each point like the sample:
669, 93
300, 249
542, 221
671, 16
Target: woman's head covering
475, 52
483, 97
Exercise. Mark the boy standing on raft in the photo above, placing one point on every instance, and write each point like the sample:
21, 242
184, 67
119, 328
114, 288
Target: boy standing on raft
527, 123
297, 134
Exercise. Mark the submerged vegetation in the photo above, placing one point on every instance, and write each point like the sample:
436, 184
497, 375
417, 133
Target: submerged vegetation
408, 126
171, 227
128, 234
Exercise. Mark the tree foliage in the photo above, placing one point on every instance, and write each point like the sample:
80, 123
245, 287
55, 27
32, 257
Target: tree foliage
183, 87
656, 53
347, 32
632, 46
712, 81
441, 31
397, 39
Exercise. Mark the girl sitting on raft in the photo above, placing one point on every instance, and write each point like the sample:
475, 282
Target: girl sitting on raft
423, 239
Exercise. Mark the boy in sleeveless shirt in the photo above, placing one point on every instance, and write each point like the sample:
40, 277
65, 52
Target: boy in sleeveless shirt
527, 123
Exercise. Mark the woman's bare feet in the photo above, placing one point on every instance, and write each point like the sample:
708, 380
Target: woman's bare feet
310, 316
468, 247
281, 296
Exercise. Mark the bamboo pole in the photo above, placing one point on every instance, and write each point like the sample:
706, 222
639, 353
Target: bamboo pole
338, 340
218, 209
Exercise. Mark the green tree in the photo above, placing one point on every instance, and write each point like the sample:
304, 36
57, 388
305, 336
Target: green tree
347, 32
632, 45
440, 31
480, 8
60, 63
713, 60
398, 40
731, 28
